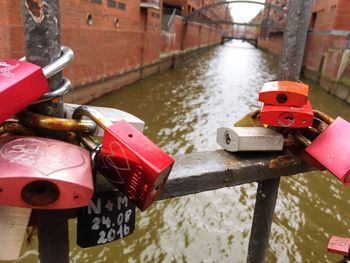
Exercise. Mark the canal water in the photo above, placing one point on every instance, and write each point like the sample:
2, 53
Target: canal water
182, 108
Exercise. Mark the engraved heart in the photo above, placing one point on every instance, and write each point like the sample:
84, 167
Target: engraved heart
44, 156
114, 159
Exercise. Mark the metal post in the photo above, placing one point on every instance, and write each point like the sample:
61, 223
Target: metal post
42, 46
294, 38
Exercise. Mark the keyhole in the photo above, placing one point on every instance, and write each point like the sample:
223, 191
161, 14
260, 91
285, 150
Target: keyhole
281, 98
286, 119
40, 190
227, 138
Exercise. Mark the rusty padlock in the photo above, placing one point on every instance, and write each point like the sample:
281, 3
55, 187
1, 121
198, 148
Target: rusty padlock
284, 93
339, 245
17, 79
288, 117
332, 149
44, 173
129, 160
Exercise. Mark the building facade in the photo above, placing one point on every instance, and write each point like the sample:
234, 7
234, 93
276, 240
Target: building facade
115, 41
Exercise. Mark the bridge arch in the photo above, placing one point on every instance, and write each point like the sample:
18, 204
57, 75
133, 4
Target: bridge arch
204, 8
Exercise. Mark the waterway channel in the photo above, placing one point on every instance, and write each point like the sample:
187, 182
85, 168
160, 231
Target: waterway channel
182, 108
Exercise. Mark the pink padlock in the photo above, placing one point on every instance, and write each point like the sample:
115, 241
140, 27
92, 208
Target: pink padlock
332, 149
339, 245
44, 173
21, 82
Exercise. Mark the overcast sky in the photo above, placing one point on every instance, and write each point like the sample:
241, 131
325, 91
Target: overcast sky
245, 12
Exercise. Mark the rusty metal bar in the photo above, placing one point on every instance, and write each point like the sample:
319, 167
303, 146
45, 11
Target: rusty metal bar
205, 171
294, 38
42, 46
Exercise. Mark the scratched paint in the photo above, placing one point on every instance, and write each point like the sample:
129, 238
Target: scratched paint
35, 9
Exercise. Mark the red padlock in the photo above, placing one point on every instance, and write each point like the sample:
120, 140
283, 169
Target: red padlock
291, 117
44, 173
129, 160
285, 93
339, 245
21, 83
332, 149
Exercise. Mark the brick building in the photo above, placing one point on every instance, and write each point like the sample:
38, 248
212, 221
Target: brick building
273, 22
114, 40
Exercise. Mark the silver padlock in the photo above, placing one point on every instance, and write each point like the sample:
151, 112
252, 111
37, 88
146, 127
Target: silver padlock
111, 114
239, 139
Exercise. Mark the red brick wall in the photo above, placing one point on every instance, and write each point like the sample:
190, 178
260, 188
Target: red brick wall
103, 50
331, 64
328, 15
326, 12
342, 20
11, 29
192, 35
171, 41
273, 43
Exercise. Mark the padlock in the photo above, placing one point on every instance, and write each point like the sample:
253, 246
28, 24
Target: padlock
14, 127
110, 216
44, 173
21, 82
339, 245
238, 139
284, 93
36, 120
332, 149
289, 117
129, 160
13, 226
111, 114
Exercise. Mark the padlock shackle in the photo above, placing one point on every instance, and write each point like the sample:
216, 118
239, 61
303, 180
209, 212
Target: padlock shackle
88, 142
15, 127
56, 124
58, 64
302, 139
255, 113
323, 117
92, 114
64, 88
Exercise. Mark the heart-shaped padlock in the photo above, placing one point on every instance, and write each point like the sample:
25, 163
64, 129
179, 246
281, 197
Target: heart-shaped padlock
44, 173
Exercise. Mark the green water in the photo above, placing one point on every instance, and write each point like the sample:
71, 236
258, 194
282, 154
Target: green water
182, 109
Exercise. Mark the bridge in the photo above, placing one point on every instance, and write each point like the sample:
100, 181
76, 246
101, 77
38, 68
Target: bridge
199, 15
252, 39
